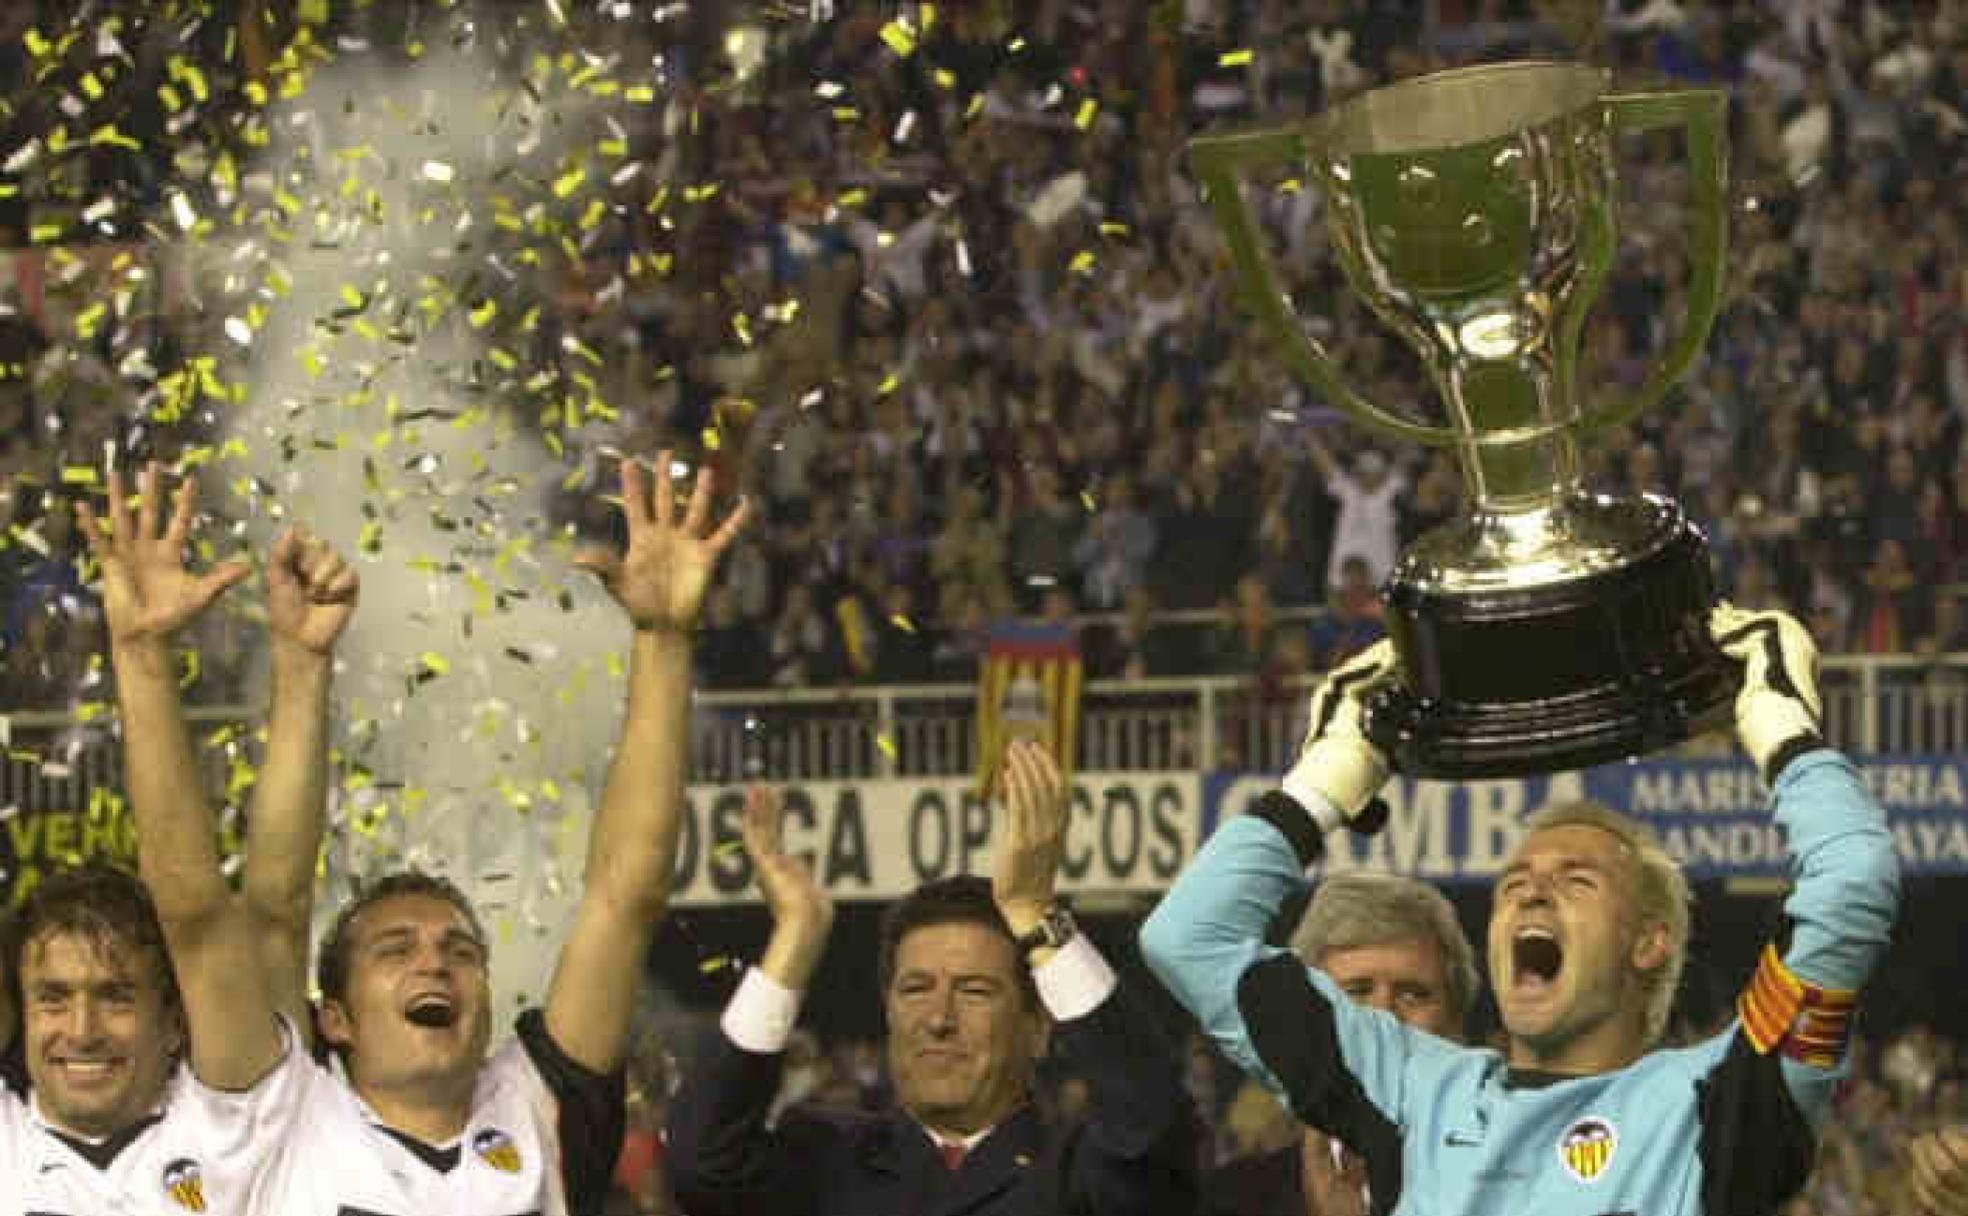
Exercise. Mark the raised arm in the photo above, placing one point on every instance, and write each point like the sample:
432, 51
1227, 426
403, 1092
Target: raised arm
311, 595
1840, 912
148, 595
724, 1158
659, 581
1139, 1151
1339, 1066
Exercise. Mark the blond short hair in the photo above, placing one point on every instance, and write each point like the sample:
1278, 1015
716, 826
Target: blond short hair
1360, 908
1660, 889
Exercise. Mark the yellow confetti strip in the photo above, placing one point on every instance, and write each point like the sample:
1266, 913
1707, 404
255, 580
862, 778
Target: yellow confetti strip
899, 38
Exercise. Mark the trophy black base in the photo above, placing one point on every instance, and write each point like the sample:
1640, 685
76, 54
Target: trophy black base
1522, 681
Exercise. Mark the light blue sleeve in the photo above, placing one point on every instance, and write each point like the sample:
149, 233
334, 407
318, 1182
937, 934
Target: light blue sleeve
1207, 935
1847, 875
1845, 899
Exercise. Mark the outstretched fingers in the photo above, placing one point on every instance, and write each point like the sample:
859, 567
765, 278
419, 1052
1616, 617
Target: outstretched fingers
1019, 790
665, 493
92, 530
218, 580
184, 505
698, 513
733, 524
762, 827
148, 496
602, 563
121, 525
635, 496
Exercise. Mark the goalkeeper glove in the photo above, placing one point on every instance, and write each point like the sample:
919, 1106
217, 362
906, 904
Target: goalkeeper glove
1336, 762
1778, 709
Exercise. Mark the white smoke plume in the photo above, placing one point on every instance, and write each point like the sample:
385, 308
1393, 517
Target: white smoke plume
481, 688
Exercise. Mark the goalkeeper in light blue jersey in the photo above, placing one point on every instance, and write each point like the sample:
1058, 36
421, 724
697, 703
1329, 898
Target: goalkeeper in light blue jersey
1581, 1113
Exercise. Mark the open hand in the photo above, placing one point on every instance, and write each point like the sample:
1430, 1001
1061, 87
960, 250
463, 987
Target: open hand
1034, 839
791, 892
311, 591
148, 593
661, 578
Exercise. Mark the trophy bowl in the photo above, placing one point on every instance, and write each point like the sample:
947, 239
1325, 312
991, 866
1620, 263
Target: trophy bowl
1547, 627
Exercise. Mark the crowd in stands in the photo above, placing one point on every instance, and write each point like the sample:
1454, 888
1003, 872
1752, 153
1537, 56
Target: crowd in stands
1019, 380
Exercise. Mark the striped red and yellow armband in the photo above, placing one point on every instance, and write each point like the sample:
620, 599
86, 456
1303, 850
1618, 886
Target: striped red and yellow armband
1781, 1012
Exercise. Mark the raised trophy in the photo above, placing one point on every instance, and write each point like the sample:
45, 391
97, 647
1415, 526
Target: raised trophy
1547, 628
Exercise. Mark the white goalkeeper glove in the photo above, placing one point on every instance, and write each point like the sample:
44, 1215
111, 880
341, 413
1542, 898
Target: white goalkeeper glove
1778, 711
1336, 762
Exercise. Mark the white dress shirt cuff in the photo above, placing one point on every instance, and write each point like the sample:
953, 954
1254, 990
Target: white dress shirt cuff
1074, 981
761, 1014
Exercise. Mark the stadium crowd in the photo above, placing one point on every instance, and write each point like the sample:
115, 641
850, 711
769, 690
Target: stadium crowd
1019, 380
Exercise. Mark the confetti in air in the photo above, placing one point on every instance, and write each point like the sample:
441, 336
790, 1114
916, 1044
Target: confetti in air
416, 271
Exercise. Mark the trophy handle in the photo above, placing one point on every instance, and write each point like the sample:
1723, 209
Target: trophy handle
1704, 115
1221, 162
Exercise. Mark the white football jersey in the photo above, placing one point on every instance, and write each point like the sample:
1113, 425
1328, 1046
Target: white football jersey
12, 1152
201, 1153
541, 1140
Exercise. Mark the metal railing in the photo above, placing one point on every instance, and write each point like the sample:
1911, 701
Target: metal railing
1873, 704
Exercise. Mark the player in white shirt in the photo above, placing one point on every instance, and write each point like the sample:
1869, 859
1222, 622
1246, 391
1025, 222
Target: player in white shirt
160, 1077
415, 1119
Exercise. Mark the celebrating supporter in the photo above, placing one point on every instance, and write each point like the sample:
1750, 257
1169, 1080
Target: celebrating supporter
429, 1120
1579, 1112
977, 977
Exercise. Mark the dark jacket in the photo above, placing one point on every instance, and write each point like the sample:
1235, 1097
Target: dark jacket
1134, 1156
1265, 1184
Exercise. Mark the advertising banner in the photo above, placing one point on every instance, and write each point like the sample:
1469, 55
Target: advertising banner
876, 840
1132, 832
1712, 815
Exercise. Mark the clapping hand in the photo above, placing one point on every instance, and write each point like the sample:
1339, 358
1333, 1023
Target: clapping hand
1028, 854
802, 914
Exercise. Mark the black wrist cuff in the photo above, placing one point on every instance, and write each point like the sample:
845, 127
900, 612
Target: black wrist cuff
1282, 811
1791, 749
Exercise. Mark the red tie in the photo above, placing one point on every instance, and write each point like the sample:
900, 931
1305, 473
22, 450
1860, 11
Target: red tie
953, 1155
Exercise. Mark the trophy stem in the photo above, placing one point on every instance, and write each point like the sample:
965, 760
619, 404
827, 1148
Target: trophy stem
1514, 424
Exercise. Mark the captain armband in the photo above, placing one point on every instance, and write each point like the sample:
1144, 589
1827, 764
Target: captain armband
1781, 1012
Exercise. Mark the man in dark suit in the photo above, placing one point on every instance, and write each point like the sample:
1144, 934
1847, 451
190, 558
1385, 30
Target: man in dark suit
1391, 943
978, 977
